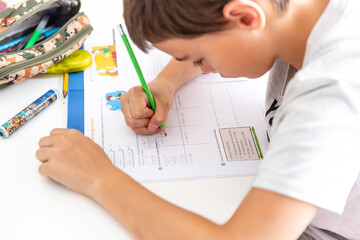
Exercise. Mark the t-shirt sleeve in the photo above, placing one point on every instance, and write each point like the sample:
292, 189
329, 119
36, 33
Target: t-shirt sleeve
313, 153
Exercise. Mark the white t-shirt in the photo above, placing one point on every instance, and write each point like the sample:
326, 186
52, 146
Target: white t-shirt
313, 117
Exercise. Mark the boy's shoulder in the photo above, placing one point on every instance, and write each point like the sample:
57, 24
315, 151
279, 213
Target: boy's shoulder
335, 32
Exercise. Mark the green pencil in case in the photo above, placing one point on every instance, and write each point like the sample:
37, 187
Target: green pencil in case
38, 31
139, 72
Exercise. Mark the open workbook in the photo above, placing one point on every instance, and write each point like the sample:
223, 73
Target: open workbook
215, 127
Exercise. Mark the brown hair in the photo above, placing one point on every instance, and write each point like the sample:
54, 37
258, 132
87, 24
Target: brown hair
158, 20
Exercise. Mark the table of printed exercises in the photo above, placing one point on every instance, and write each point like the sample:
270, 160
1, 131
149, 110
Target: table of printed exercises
215, 126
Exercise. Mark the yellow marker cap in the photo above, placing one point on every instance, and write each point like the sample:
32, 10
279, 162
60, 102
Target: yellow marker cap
76, 62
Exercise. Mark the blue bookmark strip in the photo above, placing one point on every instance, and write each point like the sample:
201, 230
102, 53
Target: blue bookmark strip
76, 102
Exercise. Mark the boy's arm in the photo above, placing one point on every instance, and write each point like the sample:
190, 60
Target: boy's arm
262, 214
177, 73
76, 161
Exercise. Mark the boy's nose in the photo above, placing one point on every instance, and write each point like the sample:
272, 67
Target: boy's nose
207, 69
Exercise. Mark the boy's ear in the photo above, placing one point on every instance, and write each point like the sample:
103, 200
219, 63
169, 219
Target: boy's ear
246, 13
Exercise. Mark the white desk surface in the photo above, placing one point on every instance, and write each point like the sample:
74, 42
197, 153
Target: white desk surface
34, 207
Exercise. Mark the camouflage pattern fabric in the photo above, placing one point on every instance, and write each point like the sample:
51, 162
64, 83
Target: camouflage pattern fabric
17, 11
32, 71
54, 42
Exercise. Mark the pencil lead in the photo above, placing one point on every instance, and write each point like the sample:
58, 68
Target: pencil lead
164, 131
121, 28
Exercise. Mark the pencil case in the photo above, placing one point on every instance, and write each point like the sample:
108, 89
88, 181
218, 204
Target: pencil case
70, 29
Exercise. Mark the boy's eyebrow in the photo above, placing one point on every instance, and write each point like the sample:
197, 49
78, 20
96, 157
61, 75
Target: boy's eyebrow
182, 59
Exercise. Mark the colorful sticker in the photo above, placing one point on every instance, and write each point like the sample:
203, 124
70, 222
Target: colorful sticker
113, 100
106, 60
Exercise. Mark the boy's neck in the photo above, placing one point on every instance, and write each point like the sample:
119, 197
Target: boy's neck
295, 28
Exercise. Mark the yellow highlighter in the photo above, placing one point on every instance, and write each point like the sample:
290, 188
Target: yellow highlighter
76, 62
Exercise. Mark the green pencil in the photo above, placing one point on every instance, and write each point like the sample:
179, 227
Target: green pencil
139, 72
37, 31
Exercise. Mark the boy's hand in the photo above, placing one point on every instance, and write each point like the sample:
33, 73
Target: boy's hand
74, 160
137, 112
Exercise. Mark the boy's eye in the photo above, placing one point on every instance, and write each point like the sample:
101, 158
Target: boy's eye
198, 62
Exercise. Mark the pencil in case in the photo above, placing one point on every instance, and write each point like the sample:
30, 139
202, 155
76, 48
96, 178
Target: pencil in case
22, 19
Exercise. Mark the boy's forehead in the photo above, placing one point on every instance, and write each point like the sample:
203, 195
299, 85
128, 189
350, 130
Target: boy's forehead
181, 48
176, 47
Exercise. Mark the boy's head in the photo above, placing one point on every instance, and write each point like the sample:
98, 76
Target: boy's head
224, 35
158, 20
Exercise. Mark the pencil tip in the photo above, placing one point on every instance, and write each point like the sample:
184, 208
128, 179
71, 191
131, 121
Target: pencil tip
164, 131
121, 28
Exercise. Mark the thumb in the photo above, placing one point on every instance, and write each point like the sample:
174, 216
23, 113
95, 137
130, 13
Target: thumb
158, 119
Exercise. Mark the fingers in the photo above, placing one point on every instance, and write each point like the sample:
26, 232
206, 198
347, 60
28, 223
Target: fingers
135, 110
44, 169
49, 141
140, 110
158, 119
47, 169
137, 123
139, 116
134, 122
58, 131
145, 130
46, 142
136, 104
145, 112
43, 154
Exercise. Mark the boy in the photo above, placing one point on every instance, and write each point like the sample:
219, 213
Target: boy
306, 187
